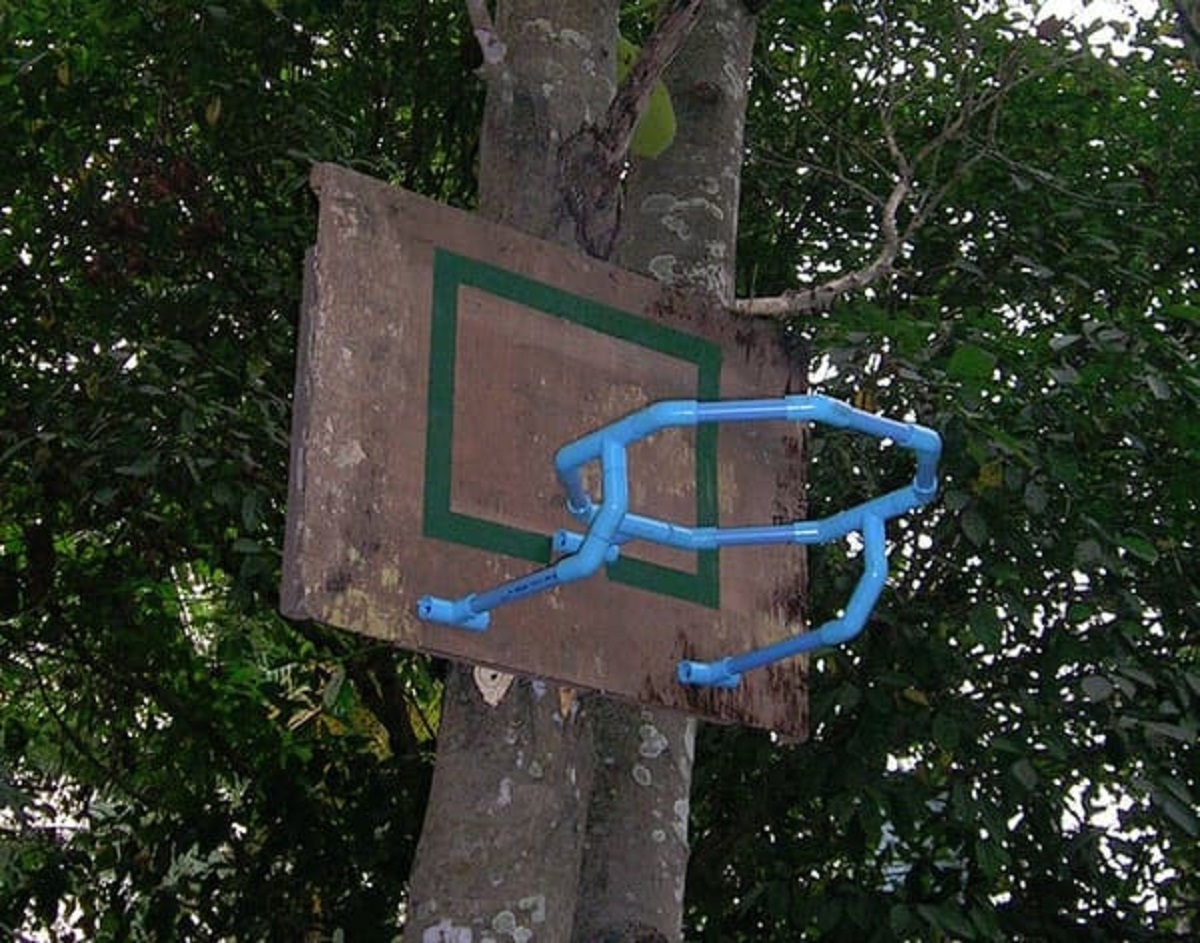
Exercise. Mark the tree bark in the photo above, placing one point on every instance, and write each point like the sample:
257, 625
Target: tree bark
680, 222
500, 850
680, 225
552, 818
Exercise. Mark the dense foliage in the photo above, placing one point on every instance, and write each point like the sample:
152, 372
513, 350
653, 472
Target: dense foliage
177, 760
1009, 752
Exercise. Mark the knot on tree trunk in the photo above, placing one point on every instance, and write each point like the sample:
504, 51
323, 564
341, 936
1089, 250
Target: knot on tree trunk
590, 185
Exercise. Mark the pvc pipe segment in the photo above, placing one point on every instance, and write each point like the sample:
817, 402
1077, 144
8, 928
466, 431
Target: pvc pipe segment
610, 524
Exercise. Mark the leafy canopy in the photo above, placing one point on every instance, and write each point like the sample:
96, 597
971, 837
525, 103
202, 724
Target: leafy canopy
1009, 752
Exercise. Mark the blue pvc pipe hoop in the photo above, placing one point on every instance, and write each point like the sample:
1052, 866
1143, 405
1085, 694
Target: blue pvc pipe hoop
610, 523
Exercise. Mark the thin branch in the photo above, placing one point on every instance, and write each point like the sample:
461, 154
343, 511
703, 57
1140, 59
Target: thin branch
591, 161
676, 23
798, 302
932, 201
80, 745
490, 44
1049, 180
926, 206
773, 159
820, 297
846, 148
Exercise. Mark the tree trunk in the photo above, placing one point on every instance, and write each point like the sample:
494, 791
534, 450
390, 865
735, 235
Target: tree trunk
550, 818
500, 850
679, 225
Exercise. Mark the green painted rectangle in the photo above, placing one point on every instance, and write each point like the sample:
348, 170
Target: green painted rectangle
452, 271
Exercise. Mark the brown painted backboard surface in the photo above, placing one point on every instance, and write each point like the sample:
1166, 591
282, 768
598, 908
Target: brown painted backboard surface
442, 361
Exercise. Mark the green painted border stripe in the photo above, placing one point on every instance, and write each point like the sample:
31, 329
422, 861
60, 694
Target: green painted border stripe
439, 405
451, 270
593, 315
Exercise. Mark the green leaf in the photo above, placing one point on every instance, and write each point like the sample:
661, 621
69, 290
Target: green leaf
1183, 312
1035, 498
948, 917
139, 468
974, 527
990, 856
333, 688
1179, 790
902, 921
1158, 386
984, 917
250, 505
945, 732
1171, 732
1025, 774
985, 625
1182, 815
1097, 688
1139, 547
1134, 673
971, 362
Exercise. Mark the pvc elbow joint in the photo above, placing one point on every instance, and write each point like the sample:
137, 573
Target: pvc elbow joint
715, 674
456, 612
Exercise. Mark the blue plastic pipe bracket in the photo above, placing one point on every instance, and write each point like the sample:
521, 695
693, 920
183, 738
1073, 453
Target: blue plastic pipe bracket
587, 555
610, 524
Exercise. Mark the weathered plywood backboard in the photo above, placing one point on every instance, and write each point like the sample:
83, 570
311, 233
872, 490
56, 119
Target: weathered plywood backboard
443, 360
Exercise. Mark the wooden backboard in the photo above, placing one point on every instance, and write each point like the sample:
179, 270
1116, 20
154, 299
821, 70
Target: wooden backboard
442, 361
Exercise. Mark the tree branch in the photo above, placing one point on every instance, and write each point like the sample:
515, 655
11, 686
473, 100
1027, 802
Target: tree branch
592, 160
822, 170
490, 44
798, 302
820, 297
676, 22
